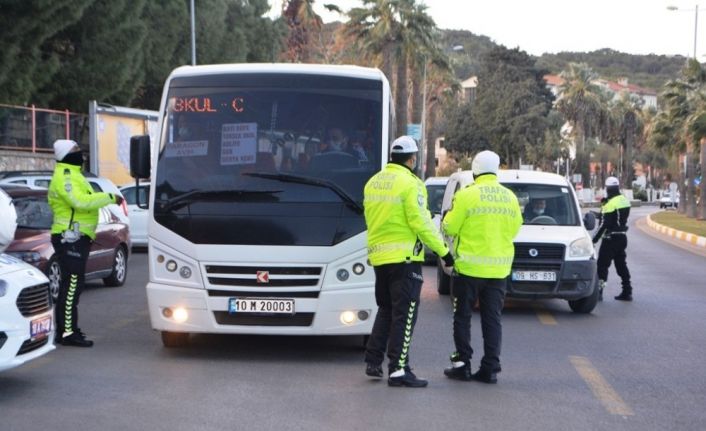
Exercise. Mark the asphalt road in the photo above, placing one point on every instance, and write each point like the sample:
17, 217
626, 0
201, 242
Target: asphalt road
633, 366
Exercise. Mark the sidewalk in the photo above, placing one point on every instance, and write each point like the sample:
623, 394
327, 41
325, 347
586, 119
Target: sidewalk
690, 238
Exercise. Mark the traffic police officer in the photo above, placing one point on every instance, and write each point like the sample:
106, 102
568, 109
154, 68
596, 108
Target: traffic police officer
484, 219
399, 223
613, 231
75, 207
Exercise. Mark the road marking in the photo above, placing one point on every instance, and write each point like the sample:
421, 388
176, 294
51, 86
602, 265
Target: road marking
600, 387
544, 316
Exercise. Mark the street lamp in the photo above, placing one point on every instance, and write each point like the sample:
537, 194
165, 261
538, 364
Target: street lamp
696, 21
193, 33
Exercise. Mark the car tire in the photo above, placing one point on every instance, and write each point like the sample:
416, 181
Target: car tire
53, 273
587, 304
443, 281
119, 274
175, 339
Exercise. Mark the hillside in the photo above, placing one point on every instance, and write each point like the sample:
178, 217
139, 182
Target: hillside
651, 71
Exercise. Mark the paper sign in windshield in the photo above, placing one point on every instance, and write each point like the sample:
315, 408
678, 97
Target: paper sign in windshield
187, 149
238, 143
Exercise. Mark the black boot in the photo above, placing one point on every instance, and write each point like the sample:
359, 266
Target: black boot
408, 379
485, 376
459, 373
373, 370
625, 295
76, 339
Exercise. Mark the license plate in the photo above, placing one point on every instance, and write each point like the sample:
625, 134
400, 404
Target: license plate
40, 328
533, 276
261, 305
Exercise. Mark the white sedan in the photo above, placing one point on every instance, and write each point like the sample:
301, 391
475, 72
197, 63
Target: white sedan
138, 216
26, 315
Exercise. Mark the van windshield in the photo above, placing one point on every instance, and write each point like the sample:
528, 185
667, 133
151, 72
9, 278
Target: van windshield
546, 204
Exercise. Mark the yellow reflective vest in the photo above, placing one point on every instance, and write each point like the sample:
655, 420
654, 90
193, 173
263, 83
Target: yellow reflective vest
397, 218
484, 219
72, 200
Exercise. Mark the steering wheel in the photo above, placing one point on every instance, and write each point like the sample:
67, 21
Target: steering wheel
543, 219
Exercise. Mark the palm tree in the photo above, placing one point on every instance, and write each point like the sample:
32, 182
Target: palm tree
392, 34
629, 125
685, 110
302, 21
582, 103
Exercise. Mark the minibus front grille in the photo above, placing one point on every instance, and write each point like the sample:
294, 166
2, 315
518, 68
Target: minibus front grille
265, 276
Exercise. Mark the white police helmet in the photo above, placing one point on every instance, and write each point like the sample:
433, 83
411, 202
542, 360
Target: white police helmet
485, 162
404, 144
8, 220
612, 182
62, 147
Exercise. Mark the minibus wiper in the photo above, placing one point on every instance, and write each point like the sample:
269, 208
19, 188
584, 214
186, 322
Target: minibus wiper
319, 182
167, 204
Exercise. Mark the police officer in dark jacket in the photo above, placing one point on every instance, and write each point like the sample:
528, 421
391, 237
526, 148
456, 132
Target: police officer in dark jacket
613, 231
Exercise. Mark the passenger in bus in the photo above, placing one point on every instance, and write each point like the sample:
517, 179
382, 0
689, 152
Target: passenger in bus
356, 148
336, 141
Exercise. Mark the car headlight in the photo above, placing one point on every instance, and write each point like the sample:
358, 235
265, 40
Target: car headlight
27, 256
582, 247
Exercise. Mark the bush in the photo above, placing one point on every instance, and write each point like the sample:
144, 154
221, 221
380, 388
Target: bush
639, 193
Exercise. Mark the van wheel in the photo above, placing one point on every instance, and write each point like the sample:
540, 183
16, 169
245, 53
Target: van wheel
587, 304
443, 281
175, 339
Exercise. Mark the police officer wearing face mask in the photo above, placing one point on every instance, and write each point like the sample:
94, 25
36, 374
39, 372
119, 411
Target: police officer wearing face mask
398, 222
75, 207
484, 219
613, 231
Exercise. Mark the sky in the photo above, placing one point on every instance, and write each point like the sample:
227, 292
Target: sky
539, 26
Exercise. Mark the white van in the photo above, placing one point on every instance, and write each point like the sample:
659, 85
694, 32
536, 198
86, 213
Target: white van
554, 253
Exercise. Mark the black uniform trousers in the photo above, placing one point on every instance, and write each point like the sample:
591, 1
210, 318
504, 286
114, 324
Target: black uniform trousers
72, 260
613, 250
397, 290
491, 295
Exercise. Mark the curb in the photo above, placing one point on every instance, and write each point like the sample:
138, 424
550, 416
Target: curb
695, 240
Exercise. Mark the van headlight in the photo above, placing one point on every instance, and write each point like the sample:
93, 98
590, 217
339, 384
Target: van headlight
582, 247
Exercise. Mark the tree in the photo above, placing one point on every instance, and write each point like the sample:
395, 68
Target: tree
581, 102
26, 60
681, 128
303, 23
101, 57
628, 125
510, 112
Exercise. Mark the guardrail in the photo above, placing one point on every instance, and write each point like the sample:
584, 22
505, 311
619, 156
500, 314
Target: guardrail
32, 129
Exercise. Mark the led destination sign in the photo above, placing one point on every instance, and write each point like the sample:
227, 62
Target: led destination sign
206, 104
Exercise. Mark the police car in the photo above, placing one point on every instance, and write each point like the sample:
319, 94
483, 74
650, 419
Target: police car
26, 318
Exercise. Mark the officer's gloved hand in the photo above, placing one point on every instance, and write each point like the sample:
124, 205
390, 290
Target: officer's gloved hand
448, 259
118, 200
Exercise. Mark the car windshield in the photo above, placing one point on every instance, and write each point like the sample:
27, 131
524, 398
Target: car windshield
33, 212
435, 197
545, 204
